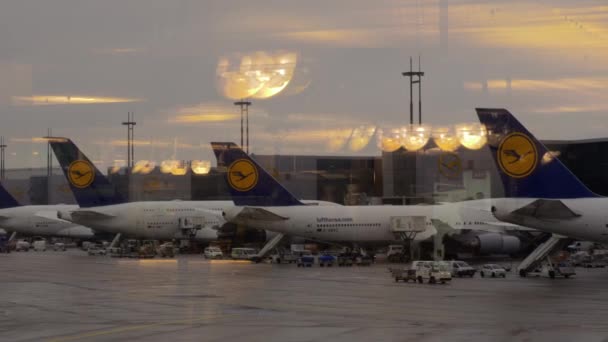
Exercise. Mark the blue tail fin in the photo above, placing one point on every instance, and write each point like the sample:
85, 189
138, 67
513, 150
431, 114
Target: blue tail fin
90, 187
6, 199
525, 165
249, 183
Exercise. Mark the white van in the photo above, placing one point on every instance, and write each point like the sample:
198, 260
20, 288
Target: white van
22, 245
243, 253
40, 246
460, 268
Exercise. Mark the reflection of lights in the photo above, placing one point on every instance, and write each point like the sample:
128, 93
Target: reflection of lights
38, 140
166, 166
205, 113
118, 164
389, 140
144, 167
361, 137
114, 169
174, 167
200, 167
415, 137
337, 138
228, 261
180, 169
39, 100
260, 75
550, 156
445, 139
472, 136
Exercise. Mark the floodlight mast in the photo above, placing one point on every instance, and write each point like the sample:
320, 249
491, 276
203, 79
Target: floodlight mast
415, 78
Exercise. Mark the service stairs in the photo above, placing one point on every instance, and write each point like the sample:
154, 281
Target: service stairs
270, 245
540, 254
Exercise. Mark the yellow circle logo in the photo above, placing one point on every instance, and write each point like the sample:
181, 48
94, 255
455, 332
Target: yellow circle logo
242, 175
450, 165
517, 155
81, 173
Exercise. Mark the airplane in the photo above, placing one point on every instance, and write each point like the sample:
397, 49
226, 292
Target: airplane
265, 204
103, 208
540, 191
38, 220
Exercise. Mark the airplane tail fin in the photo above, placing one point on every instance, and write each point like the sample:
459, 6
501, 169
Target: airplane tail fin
90, 187
6, 199
249, 183
526, 167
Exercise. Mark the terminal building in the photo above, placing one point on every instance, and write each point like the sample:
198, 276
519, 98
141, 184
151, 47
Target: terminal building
399, 177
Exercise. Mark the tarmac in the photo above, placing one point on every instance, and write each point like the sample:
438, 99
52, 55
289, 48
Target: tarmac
69, 296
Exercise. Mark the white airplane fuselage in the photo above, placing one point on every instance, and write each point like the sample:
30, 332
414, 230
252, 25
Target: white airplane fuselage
590, 224
158, 220
39, 220
370, 224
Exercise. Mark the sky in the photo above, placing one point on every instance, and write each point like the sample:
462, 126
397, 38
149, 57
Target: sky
321, 70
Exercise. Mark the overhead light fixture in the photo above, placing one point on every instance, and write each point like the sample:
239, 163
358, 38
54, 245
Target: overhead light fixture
389, 140
415, 137
445, 139
472, 135
200, 167
361, 137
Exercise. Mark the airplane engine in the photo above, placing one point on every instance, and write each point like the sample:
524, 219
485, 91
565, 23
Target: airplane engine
493, 243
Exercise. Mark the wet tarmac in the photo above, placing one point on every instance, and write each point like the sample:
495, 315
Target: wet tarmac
69, 296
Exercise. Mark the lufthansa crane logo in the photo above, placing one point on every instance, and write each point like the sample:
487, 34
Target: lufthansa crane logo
450, 165
81, 173
242, 175
517, 155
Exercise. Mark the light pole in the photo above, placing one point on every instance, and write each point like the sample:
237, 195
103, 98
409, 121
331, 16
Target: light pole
130, 123
244, 113
415, 78
2, 147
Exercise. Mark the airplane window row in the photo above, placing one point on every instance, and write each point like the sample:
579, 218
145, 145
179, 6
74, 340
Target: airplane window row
158, 224
350, 225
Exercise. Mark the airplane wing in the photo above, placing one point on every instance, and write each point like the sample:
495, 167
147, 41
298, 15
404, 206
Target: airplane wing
88, 214
258, 214
51, 215
547, 209
501, 227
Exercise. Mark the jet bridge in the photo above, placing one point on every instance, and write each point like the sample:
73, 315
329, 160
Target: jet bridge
541, 254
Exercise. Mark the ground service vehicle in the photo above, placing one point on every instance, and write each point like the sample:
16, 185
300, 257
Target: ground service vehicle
166, 250
40, 246
96, 250
326, 260
405, 274
492, 270
22, 245
306, 260
432, 272
243, 253
212, 252
345, 260
395, 253
283, 257
59, 246
460, 269
4, 248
